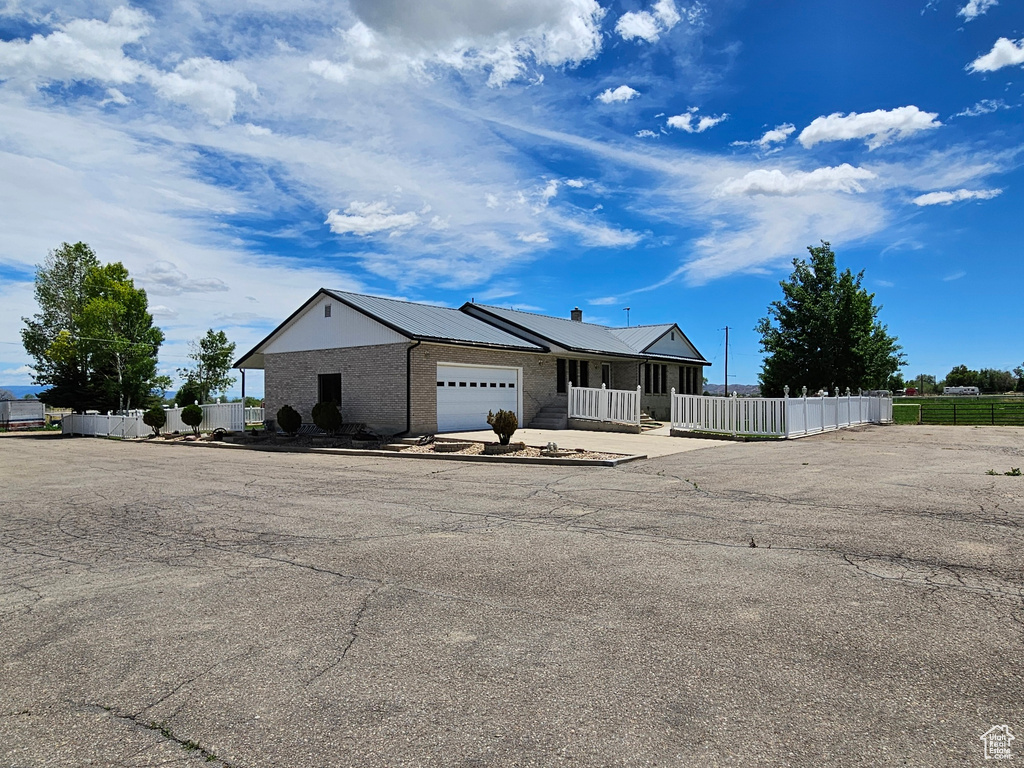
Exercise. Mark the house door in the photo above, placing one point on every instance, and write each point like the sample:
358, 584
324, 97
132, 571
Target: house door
466, 393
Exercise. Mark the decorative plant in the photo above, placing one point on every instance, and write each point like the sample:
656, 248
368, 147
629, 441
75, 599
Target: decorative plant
289, 419
155, 418
327, 416
504, 424
192, 415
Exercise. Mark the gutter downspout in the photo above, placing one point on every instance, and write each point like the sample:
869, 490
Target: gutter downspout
408, 388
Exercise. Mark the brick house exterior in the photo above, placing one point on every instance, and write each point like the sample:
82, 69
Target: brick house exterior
383, 358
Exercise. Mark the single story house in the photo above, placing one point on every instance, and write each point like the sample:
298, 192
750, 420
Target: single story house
404, 367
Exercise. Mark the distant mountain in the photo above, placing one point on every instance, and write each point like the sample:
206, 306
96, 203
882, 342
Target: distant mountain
745, 390
20, 391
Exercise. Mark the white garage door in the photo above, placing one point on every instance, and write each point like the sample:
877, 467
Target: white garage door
465, 395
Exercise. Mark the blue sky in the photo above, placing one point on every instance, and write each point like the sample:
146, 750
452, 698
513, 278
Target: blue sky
668, 156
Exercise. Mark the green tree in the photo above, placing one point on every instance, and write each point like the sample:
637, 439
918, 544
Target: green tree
825, 332
1019, 373
996, 381
961, 376
212, 354
50, 337
93, 340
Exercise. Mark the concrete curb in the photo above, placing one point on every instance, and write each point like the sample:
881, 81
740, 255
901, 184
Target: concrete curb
545, 460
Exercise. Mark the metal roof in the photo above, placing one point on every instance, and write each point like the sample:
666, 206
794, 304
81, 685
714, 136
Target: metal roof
433, 323
640, 337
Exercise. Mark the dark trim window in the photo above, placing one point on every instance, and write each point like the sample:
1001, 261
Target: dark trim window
329, 388
559, 375
664, 379
647, 378
327, 310
574, 373
606, 375
584, 373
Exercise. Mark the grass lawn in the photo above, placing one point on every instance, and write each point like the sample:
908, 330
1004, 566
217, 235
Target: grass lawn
997, 411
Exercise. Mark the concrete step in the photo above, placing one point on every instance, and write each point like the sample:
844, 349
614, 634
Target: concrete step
552, 423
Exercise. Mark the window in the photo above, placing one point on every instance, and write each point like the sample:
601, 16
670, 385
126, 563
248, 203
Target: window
494, 384
673, 335
559, 375
329, 388
584, 373
440, 383
472, 383
606, 375
462, 383
574, 373
656, 383
684, 380
664, 379
647, 378
502, 385
327, 310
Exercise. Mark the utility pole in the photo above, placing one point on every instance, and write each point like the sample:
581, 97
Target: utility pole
727, 361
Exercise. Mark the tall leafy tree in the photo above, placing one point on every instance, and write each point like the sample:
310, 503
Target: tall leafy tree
961, 376
93, 340
212, 355
51, 336
824, 333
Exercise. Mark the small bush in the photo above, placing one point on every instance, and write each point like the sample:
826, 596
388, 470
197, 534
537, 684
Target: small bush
504, 424
192, 415
327, 416
289, 419
155, 418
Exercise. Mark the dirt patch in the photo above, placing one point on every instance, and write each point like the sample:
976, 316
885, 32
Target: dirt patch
477, 449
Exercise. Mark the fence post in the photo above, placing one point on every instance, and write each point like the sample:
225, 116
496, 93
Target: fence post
636, 415
672, 407
603, 408
569, 400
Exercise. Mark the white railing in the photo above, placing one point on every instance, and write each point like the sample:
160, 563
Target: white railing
777, 417
227, 416
621, 405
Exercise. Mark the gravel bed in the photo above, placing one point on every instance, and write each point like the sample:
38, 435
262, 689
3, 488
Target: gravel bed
476, 449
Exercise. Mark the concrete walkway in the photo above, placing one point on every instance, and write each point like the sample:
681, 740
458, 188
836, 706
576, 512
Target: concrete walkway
657, 442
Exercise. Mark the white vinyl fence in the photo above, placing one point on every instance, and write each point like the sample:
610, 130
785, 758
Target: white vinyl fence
621, 405
229, 416
777, 416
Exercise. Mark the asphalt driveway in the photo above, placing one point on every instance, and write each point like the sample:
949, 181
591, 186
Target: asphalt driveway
177, 605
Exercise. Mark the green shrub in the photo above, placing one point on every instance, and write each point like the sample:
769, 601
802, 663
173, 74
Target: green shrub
192, 415
504, 424
155, 418
327, 416
289, 419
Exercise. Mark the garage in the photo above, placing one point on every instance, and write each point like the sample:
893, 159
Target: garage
465, 393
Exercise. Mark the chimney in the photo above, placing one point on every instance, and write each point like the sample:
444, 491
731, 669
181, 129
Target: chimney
576, 315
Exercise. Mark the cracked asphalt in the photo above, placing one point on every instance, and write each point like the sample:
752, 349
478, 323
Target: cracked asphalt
179, 606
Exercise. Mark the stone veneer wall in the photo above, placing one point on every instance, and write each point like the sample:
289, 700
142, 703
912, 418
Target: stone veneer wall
372, 383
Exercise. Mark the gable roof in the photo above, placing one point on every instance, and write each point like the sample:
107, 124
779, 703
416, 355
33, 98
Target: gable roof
640, 337
417, 322
582, 337
427, 322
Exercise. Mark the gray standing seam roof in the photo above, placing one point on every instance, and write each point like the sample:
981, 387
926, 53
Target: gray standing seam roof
640, 337
428, 322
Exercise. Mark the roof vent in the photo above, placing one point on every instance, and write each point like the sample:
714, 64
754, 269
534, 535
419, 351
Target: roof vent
576, 315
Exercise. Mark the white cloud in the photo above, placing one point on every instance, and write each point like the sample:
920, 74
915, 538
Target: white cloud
1005, 53
983, 107
576, 183
167, 279
90, 50
691, 123
651, 25
533, 238
776, 135
599, 235
205, 85
954, 276
879, 127
843, 178
161, 311
645, 134
369, 218
622, 93
947, 198
503, 39
975, 8
604, 301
